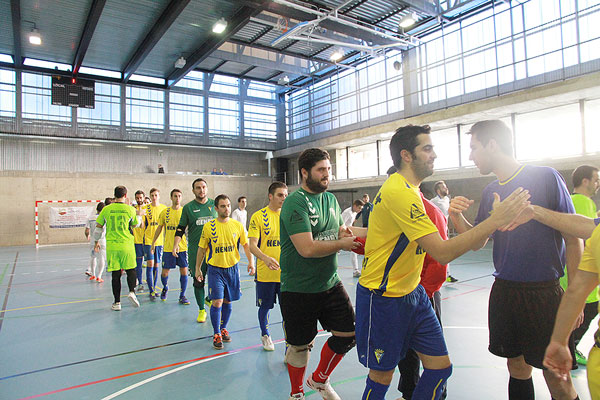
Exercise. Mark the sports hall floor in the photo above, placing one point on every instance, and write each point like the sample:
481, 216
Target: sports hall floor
60, 340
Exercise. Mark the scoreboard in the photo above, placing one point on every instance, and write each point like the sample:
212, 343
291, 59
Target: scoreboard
72, 92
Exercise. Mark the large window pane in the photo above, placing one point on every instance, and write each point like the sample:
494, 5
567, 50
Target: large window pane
362, 161
223, 117
145, 108
592, 126
7, 93
445, 145
260, 120
225, 84
385, 157
107, 109
37, 100
186, 112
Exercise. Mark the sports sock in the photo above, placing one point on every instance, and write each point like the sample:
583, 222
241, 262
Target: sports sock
296, 378
431, 383
130, 279
165, 280
215, 318
329, 360
374, 390
138, 269
199, 295
149, 279
225, 314
116, 285
521, 389
155, 275
93, 266
183, 279
263, 320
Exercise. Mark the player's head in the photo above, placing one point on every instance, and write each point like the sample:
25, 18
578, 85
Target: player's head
139, 197
585, 180
109, 200
242, 202
154, 196
147, 200
366, 198
441, 189
315, 168
490, 140
176, 197
411, 147
278, 191
223, 205
200, 189
357, 205
99, 207
120, 192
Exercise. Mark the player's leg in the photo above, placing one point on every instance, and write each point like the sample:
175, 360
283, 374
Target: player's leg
116, 289
266, 295
149, 257
216, 288
197, 285
355, 266
182, 262
232, 292
101, 263
409, 374
139, 259
93, 263
589, 313
158, 253
169, 262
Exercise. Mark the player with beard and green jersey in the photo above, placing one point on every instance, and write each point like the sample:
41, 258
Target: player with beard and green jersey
195, 214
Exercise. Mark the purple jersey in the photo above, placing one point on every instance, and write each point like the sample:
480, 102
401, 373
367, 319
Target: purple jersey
533, 252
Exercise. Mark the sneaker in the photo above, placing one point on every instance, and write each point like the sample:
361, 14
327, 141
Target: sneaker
217, 341
207, 301
88, 272
156, 294
133, 299
99, 280
451, 279
92, 278
183, 300
152, 295
225, 335
267, 343
297, 396
580, 358
356, 274
201, 316
116, 307
324, 389
163, 295
139, 288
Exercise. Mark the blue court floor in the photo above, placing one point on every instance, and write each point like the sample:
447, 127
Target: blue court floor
59, 338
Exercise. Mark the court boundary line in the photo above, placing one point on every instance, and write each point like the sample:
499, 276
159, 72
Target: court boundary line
8, 291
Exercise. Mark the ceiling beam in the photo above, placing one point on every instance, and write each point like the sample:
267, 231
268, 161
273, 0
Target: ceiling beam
88, 32
219, 65
15, 9
243, 73
423, 6
278, 51
235, 23
354, 6
278, 64
169, 15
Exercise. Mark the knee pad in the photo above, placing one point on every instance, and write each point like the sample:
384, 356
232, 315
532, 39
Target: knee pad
297, 356
340, 344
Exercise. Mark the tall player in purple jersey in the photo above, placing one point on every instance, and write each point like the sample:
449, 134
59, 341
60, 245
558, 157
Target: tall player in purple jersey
528, 260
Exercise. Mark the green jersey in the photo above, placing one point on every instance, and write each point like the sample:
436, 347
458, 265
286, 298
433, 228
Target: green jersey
117, 217
193, 217
320, 215
583, 206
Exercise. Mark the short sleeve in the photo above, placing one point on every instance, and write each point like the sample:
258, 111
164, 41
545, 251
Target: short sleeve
408, 211
183, 221
205, 237
559, 192
101, 220
242, 233
254, 228
162, 218
294, 216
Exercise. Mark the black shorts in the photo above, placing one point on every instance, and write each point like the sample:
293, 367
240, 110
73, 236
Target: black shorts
521, 318
301, 311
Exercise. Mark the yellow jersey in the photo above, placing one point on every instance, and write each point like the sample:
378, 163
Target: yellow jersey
169, 219
138, 233
264, 225
393, 259
152, 215
221, 241
590, 260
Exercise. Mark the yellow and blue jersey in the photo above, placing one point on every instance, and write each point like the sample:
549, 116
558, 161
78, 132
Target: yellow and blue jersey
152, 215
393, 259
138, 233
264, 225
169, 219
221, 241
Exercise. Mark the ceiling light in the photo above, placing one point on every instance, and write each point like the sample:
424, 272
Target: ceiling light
284, 80
336, 55
133, 146
34, 37
219, 26
180, 63
408, 20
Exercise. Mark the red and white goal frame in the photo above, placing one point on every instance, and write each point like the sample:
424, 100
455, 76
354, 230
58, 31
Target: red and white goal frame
37, 202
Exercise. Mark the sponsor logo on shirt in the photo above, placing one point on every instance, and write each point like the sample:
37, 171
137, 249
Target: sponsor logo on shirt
224, 249
273, 243
416, 212
331, 234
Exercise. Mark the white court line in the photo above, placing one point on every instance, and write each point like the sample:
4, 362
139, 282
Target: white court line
136, 385
50, 259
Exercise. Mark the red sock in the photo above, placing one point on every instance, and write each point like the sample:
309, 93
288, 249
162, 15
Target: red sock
329, 360
296, 378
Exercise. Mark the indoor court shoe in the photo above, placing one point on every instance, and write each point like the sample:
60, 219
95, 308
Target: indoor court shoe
99, 280
201, 316
133, 299
183, 300
267, 343
163, 295
217, 341
581, 360
88, 272
139, 288
297, 396
116, 307
324, 389
451, 279
207, 301
225, 335
92, 278
356, 274
152, 295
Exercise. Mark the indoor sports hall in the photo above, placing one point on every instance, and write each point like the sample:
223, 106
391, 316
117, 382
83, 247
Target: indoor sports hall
156, 94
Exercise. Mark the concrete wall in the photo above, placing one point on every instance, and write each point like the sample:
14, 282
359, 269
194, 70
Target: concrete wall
20, 190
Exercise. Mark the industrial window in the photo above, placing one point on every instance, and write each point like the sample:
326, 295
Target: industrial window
260, 120
223, 117
37, 100
145, 108
225, 84
7, 93
186, 112
107, 109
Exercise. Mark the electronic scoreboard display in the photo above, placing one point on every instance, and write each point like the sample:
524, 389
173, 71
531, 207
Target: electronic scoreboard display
72, 92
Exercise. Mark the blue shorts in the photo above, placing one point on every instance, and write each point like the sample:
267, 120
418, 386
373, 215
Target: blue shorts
156, 257
170, 262
139, 250
386, 327
224, 283
267, 294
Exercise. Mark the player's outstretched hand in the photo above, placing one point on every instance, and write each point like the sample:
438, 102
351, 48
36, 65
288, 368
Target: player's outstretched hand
344, 232
525, 216
558, 359
459, 204
271, 263
348, 243
508, 209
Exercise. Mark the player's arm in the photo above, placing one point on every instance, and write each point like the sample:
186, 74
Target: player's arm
156, 236
569, 224
358, 231
309, 248
199, 259
458, 205
251, 268
558, 357
87, 232
270, 262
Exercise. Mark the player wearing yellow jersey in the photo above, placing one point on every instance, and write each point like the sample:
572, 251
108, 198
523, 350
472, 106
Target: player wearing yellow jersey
138, 240
219, 242
169, 220
393, 312
153, 211
263, 235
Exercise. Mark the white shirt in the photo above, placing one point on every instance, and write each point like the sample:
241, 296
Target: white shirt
348, 216
241, 216
91, 225
443, 203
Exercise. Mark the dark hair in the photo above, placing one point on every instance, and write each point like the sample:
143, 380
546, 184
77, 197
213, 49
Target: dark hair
436, 185
174, 191
240, 198
358, 203
391, 170
276, 185
120, 191
198, 180
100, 206
495, 129
109, 200
582, 172
221, 197
140, 192
309, 157
154, 190
405, 138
